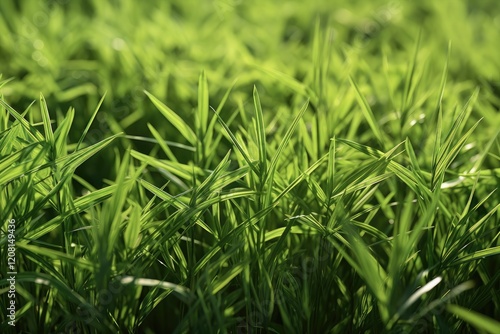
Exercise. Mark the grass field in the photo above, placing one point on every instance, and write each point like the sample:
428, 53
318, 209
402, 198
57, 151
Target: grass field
231, 166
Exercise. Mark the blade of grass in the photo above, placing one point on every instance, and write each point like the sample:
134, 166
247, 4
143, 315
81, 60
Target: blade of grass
174, 119
91, 120
47, 126
31, 130
261, 135
368, 113
236, 143
227, 278
62, 132
202, 116
479, 321
284, 142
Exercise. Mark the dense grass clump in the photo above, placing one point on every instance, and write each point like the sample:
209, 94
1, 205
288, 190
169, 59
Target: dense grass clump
250, 167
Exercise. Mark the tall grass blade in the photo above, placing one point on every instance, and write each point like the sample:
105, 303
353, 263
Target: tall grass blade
89, 124
479, 321
368, 113
174, 119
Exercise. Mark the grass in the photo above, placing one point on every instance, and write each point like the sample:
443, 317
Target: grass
298, 168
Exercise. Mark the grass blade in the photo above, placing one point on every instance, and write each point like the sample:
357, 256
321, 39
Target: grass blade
368, 113
89, 124
174, 119
479, 321
261, 134
47, 126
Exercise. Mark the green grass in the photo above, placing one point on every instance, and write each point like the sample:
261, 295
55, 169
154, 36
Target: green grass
237, 167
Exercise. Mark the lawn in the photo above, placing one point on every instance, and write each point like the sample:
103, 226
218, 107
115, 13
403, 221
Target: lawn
231, 166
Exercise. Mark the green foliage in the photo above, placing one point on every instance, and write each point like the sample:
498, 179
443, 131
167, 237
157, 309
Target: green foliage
227, 166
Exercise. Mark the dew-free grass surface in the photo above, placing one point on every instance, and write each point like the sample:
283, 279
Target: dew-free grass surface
257, 166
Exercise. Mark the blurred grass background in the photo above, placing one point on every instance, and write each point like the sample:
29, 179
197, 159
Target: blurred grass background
75, 51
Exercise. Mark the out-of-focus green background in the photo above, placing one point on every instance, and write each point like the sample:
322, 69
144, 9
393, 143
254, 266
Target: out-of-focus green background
75, 51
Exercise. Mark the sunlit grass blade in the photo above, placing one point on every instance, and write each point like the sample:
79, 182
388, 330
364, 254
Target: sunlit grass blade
414, 297
174, 119
331, 170
226, 279
133, 227
202, 116
163, 144
449, 156
210, 141
203, 107
47, 126
80, 205
479, 321
83, 264
30, 129
284, 142
75, 159
9, 170
485, 151
368, 113
182, 292
62, 132
413, 160
478, 255
370, 270
261, 133
181, 170
89, 124
238, 146
4, 82
47, 280
450, 148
